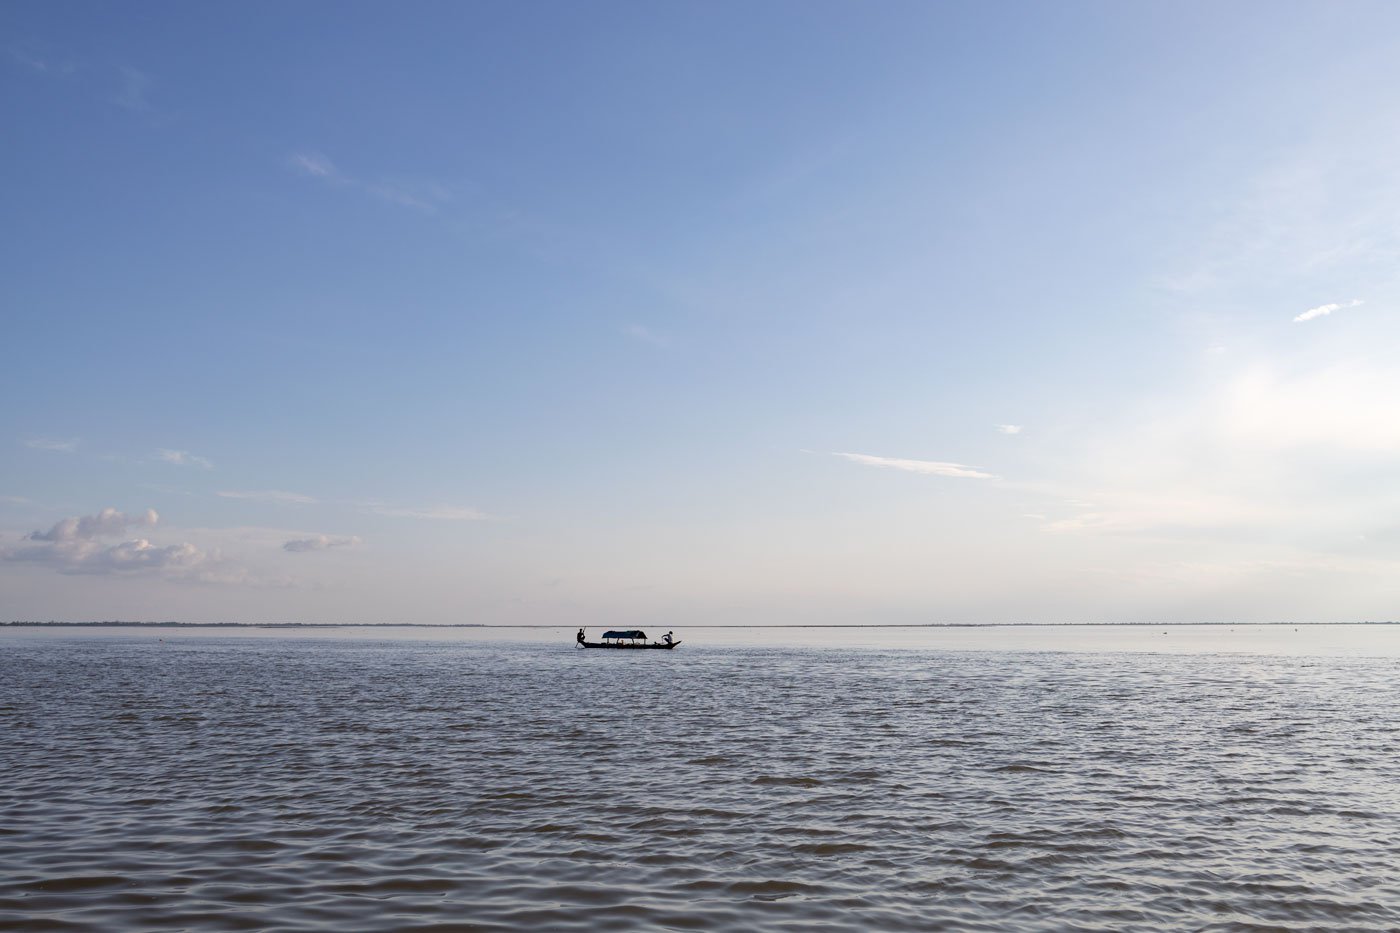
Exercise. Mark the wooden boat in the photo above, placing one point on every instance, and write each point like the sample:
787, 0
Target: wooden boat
630, 639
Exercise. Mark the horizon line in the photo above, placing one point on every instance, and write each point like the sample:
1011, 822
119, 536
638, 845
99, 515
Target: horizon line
121, 624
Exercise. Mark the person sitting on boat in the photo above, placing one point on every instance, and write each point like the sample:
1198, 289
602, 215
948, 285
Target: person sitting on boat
580, 636
666, 638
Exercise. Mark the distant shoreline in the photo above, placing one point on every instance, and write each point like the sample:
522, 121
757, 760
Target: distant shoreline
453, 625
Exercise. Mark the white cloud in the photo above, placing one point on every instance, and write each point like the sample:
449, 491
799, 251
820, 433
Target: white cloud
183, 458
53, 443
927, 467
1009, 428
1324, 310
71, 547
107, 522
267, 495
450, 513
319, 543
137, 554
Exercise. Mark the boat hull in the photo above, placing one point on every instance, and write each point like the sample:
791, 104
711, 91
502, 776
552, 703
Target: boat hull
624, 646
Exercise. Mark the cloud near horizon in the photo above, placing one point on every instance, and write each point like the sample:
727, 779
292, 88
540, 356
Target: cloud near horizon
267, 495
447, 513
70, 546
320, 543
925, 467
52, 443
86, 527
183, 458
1302, 445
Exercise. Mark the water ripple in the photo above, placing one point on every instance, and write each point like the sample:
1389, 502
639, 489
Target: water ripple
239, 783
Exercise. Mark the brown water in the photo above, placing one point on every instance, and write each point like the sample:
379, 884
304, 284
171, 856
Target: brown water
351, 781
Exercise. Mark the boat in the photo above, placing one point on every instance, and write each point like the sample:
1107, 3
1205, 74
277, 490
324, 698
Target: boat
629, 638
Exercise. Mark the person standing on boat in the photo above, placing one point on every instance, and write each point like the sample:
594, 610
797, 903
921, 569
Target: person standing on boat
580, 636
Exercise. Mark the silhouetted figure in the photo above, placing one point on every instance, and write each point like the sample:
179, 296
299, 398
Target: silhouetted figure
580, 636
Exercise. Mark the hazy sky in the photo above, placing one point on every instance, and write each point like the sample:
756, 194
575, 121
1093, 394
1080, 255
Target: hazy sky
700, 312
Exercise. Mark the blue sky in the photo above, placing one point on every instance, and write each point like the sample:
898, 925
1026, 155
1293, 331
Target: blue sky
750, 313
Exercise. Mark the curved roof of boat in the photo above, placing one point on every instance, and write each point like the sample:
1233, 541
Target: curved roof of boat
633, 633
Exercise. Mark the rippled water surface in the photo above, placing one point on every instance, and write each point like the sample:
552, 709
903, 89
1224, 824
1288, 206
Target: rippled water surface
357, 782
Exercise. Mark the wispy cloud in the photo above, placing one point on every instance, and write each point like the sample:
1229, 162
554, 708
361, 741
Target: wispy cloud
315, 165
268, 495
647, 335
41, 62
1324, 310
449, 513
926, 467
183, 458
53, 443
1326, 205
446, 513
424, 197
1009, 428
319, 543
419, 195
122, 85
28, 60
133, 91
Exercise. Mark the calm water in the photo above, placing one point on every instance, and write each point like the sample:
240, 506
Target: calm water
350, 781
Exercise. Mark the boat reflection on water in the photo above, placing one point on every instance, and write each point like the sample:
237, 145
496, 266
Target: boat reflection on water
630, 638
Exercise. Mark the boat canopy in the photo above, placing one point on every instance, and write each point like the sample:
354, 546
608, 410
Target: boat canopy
635, 633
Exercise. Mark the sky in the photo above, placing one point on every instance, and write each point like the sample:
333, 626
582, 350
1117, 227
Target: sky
700, 313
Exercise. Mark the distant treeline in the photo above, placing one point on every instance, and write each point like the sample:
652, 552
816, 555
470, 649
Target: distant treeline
252, 624
116, 622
